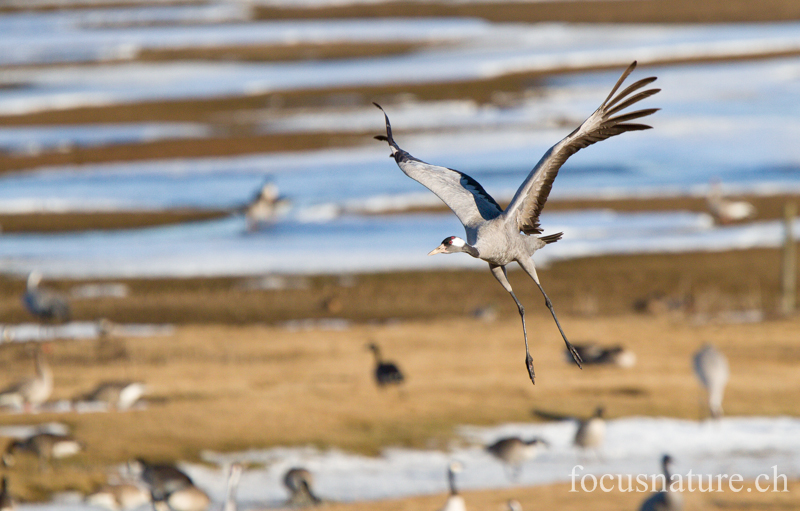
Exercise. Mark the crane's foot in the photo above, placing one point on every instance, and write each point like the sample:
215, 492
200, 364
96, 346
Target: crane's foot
529, 365
575, 356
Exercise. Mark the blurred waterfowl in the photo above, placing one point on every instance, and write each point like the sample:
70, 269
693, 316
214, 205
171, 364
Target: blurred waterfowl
161, 478
44, 304
299, 482
666, 499
594, 354
119, 496
514, 505
499, 236
190, 498
119, 394
234, 475
514, 451
169, 486
386, 373
711, 368
6, 501
266, 207
725, 210
455, 502
32, 391
45, 446
591, 430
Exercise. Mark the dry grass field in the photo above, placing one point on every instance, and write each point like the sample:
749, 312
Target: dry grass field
229, 387
694, 286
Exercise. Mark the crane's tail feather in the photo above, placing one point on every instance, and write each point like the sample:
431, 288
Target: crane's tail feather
551, 238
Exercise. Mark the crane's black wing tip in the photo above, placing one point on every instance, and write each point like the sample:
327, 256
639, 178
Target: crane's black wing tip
388, 137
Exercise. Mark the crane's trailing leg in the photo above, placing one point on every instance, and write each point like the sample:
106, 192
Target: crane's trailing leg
527, 265
500, 274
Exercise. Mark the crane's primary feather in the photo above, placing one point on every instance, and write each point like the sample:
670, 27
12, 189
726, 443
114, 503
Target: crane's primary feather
527, 204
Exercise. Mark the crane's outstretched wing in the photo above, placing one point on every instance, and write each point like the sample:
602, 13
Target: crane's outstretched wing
529, 200
462, 194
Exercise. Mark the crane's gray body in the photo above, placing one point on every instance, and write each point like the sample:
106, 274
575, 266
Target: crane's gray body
487, 228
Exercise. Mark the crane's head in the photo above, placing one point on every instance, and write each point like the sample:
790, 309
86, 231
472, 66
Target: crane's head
450, 245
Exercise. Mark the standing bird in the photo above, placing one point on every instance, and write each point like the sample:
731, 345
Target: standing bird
45, 446
386, 373
120, 496
119, 394
265, 207
190, 498
501, 237
6, 501
514, 451
299, 482
724, 210
711, 368
591, 431
170, 488
234, 475
44, 304
666, 499
594, 354
455, 502
32, 391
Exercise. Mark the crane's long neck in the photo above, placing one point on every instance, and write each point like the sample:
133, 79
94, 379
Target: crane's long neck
233, 484
42, 369
451, 476
469, 249
377, 352
667, 475
307, 489
33, 281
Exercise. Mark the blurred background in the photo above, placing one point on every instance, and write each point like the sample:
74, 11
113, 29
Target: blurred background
200, 241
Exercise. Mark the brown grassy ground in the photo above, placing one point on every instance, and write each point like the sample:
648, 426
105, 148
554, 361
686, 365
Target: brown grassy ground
276, 53
696, 283
234, 387
59, 222
581, 11
586, 11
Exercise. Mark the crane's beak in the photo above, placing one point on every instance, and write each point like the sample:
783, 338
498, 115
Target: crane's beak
438, 250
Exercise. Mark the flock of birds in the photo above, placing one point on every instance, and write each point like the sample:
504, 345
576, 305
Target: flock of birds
496, 235
167, 488
710, 366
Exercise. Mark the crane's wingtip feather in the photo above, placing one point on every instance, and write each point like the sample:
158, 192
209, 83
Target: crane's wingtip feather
374, 103
382, 138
